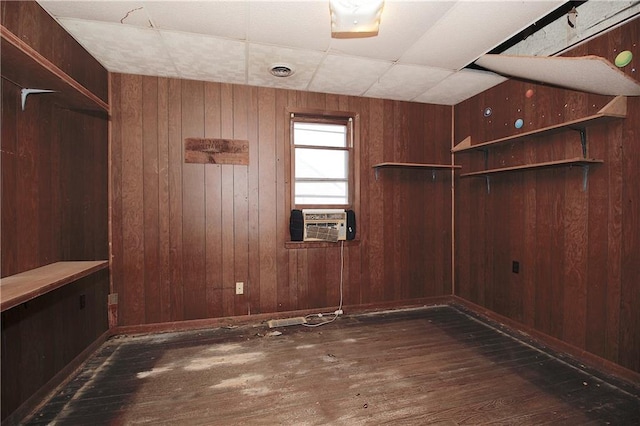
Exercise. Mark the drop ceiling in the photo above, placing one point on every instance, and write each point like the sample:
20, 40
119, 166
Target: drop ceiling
421, 54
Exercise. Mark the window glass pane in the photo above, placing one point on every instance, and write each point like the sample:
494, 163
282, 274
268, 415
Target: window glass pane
334, 135
321, 163
321, 192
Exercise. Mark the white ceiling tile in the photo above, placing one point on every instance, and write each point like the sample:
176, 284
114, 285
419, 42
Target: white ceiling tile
207, 58
262, 58
127, 12
402, 22
347, 75
590, 74
393, 84
301, 24
226, 19
123, 48
460, 86
471, 29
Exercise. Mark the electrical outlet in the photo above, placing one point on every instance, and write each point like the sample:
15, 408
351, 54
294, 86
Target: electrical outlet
239, 287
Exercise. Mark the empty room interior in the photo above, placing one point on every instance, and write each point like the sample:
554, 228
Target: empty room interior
320, 212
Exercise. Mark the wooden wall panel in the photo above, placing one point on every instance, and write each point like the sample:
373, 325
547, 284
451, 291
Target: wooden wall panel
213, 200
193, 206
133, 197
9, 158
579, 250
151, 195
219, 224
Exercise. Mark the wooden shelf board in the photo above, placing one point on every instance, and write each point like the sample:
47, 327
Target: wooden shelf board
616, 109
27, 68
548, 164
20, 288
416, 166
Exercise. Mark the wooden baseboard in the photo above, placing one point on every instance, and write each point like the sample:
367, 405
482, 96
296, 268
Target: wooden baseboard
61, 378
581, 356
167, 327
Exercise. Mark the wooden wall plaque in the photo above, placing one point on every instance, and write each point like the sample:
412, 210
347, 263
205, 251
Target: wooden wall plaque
216, 151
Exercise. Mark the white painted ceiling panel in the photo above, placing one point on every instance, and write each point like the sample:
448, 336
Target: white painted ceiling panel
123, 48
420, 54
304, 24
471, 29
347, 75
460, 86
263, 57
199, 57
588, 73
392, 84
101, 10
201, 17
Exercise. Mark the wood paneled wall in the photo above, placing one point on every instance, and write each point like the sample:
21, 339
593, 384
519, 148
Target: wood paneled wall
54, 208
54, 184
579, 251
183, 234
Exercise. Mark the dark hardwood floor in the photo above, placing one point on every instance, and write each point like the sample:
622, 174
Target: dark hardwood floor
434, 365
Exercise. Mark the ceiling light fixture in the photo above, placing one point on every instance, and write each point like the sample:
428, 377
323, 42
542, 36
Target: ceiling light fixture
355, 18
281, 70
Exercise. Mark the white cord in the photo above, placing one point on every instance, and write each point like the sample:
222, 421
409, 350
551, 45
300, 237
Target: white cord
332, 315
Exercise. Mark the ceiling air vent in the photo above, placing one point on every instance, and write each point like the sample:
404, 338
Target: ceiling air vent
281, 70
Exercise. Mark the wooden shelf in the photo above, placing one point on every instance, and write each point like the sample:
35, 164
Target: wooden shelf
28, 285
549, 164
616, 109
416, 166
27, 68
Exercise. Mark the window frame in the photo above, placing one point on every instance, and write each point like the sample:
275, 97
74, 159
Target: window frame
326, 117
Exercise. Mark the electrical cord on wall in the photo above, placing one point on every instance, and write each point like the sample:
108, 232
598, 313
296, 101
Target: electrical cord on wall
327, 318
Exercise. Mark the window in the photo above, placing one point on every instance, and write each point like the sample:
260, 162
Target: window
322, 161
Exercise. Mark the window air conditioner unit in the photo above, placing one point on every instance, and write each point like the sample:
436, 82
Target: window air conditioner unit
324, 224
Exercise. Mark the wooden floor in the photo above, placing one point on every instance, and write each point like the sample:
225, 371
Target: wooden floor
415, 367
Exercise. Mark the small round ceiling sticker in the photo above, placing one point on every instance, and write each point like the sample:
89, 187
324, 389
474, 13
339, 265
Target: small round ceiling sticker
519, 123
487, 111
623, 58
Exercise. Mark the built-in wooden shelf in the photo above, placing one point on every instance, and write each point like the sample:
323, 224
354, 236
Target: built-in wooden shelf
22, 287
27, 68
416, 166
546, 165
616, 109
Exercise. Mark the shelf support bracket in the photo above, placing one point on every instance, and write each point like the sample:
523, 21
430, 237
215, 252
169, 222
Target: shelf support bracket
376, 171
433, 175
26, 92
585, 178
488, 179
583, 140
